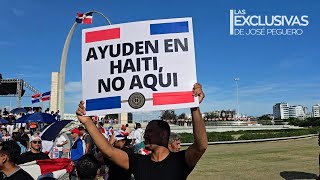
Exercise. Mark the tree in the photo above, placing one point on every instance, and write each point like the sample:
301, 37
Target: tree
168, 114
265, 117
210, 115
182, 116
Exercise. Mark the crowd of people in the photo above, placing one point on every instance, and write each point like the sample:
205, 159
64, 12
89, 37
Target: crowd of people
97, 150
160, 162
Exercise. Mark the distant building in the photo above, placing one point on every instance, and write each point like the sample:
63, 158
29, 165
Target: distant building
281, 111
297, 112
309, 115
316, 110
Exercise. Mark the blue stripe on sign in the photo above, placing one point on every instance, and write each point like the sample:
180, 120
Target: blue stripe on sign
103, 103
168, 28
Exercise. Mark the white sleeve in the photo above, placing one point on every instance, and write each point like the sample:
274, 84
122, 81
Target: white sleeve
135, 135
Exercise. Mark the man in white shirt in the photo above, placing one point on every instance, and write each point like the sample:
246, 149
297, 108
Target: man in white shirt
61, 140
137, 137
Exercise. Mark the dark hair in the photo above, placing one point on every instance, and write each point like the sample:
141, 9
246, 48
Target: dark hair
16, 136
24, 140
11, 149
81, 128
87, 167
138, 125
163, 126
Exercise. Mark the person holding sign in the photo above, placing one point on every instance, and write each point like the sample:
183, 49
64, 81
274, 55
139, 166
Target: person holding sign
160, 163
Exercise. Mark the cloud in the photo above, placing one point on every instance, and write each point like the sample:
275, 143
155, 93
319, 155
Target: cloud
71, 101
17, 12
257, 89
298, 60
73, 86
211, 89
73, 95
256, 99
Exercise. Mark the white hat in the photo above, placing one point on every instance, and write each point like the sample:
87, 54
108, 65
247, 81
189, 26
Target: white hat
35, 137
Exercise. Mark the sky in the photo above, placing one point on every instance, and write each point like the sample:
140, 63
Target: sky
271, 68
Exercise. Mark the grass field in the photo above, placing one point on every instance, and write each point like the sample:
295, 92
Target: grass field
291, 159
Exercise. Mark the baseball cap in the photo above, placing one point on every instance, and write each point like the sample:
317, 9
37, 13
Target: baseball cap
34, 137
75, 130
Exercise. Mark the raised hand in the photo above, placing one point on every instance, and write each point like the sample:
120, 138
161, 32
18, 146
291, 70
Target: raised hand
197, 91
82, 111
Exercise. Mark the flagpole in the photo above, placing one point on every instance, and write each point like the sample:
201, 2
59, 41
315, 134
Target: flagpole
63, 63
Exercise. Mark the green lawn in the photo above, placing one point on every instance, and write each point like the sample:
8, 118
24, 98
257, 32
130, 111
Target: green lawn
292, 159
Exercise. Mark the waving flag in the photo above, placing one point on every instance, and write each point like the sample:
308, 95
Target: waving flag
46, 96
87, 18
84, 18
55, 168
36, 98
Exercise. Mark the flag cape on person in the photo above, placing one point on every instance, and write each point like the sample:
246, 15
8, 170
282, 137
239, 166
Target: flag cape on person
36, 98
58, 167
46, 96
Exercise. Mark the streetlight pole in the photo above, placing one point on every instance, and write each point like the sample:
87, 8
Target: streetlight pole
237, 79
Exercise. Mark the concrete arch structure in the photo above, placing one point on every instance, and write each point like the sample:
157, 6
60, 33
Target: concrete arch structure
62, 72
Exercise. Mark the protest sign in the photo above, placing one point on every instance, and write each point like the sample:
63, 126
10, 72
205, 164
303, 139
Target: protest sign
138, 66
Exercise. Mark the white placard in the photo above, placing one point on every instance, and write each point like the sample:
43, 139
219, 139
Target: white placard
139, 66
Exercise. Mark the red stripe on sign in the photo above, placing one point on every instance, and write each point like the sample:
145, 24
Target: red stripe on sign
102, 35
173, 98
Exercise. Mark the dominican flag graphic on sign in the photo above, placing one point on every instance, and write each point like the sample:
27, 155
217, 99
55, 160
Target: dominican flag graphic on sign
139, 66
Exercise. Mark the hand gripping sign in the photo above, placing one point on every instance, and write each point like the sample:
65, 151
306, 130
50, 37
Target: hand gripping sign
138, 66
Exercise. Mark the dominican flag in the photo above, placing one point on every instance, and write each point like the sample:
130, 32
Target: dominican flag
84, 18
54, 168
36, 98
46, 96
109, 131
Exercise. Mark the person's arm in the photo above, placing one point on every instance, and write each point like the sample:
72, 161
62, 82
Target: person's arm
112, 139
118, 156
135, 137
87, 141
63, 143
87, 148
196, 150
